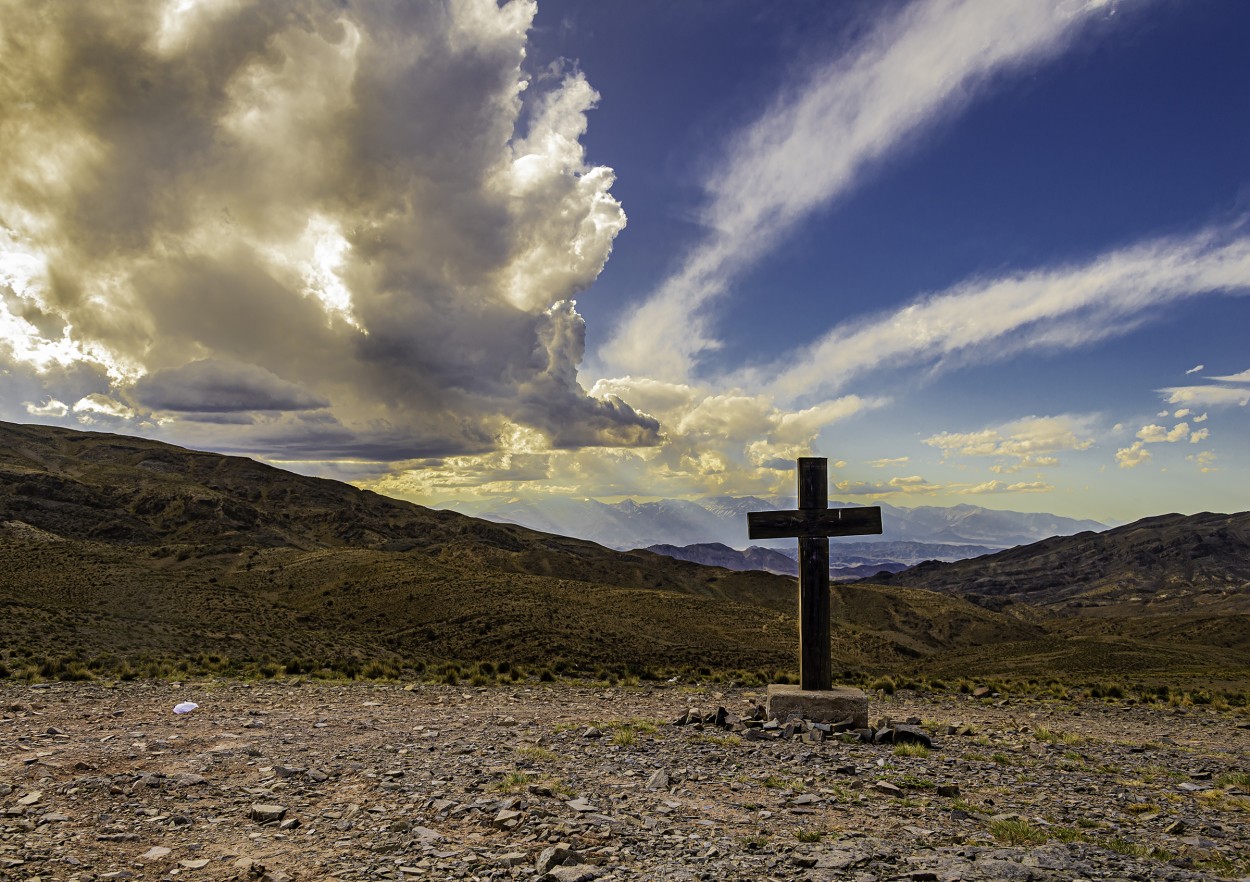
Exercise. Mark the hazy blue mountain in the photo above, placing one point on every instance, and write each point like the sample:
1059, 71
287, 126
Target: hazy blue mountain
770, 560
714, 554
722, 519
623, 525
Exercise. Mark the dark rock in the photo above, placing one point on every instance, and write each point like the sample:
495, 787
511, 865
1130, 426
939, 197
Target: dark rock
555, 856
908, 734
578, 873
266, 813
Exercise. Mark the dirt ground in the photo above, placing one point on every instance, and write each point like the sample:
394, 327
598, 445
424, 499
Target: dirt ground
313, 781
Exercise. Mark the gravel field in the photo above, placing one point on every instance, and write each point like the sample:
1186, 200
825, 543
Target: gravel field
317, 781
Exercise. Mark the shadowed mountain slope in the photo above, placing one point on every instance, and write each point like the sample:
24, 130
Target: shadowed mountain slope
1171, 560
1167, 593
114, 544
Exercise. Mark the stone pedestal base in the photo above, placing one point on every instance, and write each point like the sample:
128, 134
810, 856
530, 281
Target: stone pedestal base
820, 706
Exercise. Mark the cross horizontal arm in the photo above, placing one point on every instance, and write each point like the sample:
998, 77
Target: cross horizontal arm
813, 523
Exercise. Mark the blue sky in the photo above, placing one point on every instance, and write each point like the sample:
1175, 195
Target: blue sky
990, 252
1137, 129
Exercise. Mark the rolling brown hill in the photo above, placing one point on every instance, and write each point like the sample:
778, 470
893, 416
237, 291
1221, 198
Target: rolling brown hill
1171, 562
1166, 594
117, 545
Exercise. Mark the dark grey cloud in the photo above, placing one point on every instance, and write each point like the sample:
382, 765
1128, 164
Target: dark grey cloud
214, 386
244, 216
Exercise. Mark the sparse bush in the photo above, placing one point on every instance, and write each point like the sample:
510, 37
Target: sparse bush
379, 670
513, 781
1103, 690
912, 749
537, 754
1015, 831
884, 685
1053, 736
74, 672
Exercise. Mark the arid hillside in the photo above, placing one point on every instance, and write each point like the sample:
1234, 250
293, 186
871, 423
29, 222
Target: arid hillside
127, 547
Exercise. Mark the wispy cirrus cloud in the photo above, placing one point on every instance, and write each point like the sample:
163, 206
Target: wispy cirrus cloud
816, 143
1241, 377
1004, 487
1229, 390
907, 485
1051, 308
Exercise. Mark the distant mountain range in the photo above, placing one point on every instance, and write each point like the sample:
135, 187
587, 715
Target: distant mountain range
847, 560
722, 519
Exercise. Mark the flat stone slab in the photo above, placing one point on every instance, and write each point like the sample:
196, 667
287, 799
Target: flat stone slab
818, 705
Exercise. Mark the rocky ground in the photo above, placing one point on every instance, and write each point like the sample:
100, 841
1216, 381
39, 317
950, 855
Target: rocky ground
283, 781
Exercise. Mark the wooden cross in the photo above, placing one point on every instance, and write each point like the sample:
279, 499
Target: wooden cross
813, 523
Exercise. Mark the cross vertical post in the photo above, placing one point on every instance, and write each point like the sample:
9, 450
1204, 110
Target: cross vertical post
815, 648
813, 523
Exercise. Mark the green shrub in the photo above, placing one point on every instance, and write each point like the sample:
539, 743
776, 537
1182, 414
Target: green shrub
883, 684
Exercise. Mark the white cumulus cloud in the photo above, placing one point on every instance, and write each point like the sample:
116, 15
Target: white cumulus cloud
1153, 434
1026, 443
302, 228
1132, 456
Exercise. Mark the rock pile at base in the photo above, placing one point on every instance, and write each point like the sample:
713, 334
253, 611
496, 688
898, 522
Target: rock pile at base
758, 726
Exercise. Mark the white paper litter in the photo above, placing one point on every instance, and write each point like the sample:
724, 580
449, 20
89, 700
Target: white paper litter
185, 707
